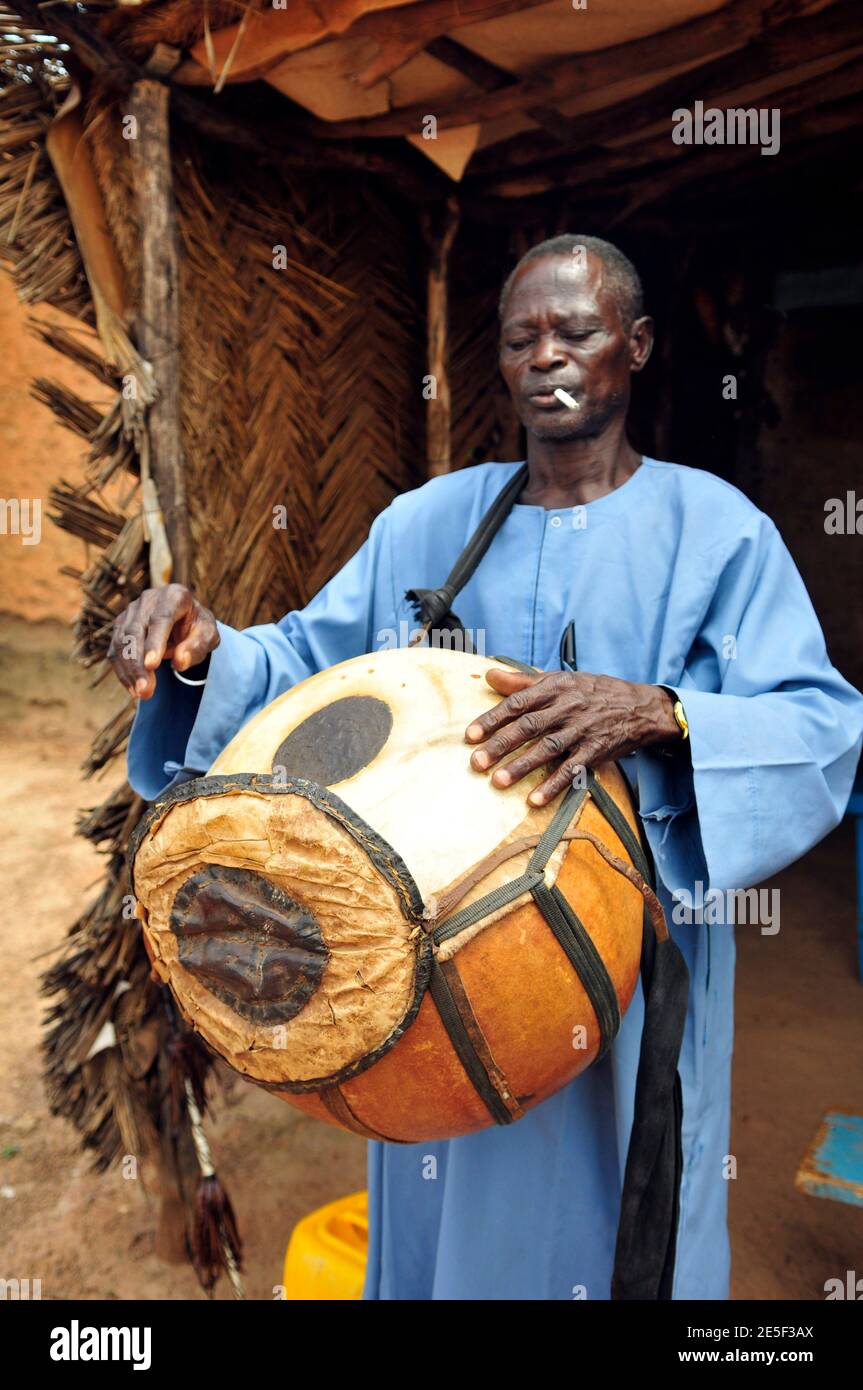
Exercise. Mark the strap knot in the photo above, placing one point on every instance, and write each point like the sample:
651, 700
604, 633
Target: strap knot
432, 607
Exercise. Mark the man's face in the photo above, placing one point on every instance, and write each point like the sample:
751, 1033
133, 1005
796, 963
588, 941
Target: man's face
562, 327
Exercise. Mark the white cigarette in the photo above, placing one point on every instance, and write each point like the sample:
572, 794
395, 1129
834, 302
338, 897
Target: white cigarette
566, 398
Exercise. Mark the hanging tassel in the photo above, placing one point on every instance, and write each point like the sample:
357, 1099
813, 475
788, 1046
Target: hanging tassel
216, 1240
213, 1239
216, 1243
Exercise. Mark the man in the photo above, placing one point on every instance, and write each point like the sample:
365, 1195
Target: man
702, 668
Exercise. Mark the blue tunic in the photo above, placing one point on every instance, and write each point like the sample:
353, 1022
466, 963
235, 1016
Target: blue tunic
673, 578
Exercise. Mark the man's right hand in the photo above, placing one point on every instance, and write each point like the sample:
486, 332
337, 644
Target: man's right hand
168, 622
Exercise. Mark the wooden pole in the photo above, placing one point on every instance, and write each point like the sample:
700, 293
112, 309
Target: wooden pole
439, 410
163, 491
159, 315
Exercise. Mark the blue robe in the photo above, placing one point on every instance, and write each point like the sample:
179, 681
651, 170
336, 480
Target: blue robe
674, 578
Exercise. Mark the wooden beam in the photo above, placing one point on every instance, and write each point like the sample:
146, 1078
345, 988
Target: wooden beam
439, 405
400, 31
703, 187
659, 150
801, 40
491, 78
813, 138
709, 187
699, 193
733, 26
463, 60
158, 318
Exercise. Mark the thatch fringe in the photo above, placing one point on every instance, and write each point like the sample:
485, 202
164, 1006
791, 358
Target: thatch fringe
35, 231
78, 347
73, 412
102, 824
102, 978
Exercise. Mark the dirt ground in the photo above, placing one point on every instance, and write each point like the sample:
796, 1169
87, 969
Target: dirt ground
799, 1050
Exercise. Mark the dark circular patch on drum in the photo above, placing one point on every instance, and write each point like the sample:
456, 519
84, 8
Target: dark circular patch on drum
248, 943
335, 742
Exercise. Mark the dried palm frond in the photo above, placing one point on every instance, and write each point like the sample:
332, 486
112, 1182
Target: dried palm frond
73, 412
104, 952
104, 823
109, 741
81, 347
79, 514
36, 237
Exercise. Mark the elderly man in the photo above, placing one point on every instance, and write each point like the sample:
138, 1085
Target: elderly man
674, 634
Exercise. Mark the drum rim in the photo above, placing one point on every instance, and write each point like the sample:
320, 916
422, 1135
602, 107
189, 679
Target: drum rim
385, 859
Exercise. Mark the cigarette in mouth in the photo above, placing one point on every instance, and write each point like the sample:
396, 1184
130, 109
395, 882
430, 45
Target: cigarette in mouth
566, 398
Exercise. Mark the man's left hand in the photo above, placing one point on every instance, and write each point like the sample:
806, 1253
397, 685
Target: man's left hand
581, 718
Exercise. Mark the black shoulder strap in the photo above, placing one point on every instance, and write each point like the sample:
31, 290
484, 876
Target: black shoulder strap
433, 607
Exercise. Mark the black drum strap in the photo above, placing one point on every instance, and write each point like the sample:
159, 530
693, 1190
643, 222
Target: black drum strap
433, 607
457, 1017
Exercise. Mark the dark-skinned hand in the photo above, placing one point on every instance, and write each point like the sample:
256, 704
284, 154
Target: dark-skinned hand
167, 622
570, 715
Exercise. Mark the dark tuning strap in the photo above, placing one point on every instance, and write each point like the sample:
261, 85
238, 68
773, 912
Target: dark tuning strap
588, 964
433, 607
457, 1020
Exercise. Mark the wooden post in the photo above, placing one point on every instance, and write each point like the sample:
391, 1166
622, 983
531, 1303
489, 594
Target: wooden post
438, 444
158, 334
159, 314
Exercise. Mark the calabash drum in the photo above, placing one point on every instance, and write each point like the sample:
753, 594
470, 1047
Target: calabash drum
355, 919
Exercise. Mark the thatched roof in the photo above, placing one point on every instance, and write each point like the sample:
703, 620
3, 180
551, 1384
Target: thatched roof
527, 96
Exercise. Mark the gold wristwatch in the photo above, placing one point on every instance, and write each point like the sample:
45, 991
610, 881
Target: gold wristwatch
680, 716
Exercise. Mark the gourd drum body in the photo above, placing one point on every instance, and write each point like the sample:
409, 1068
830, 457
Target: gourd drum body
352, 917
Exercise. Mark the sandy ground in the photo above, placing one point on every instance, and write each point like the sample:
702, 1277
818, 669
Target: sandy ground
799, 1051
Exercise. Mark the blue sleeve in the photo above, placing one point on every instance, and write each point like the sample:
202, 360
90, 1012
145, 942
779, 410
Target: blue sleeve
775, 732
181, 730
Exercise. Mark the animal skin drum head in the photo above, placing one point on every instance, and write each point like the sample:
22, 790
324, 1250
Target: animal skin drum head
350, 914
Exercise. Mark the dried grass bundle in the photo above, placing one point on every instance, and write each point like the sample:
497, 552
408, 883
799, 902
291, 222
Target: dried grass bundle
36, 236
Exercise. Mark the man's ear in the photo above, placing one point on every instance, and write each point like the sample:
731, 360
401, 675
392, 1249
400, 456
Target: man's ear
640, 342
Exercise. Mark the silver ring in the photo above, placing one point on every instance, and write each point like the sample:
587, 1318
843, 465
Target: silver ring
186, 681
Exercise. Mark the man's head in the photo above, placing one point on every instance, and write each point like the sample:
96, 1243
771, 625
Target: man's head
571, 316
